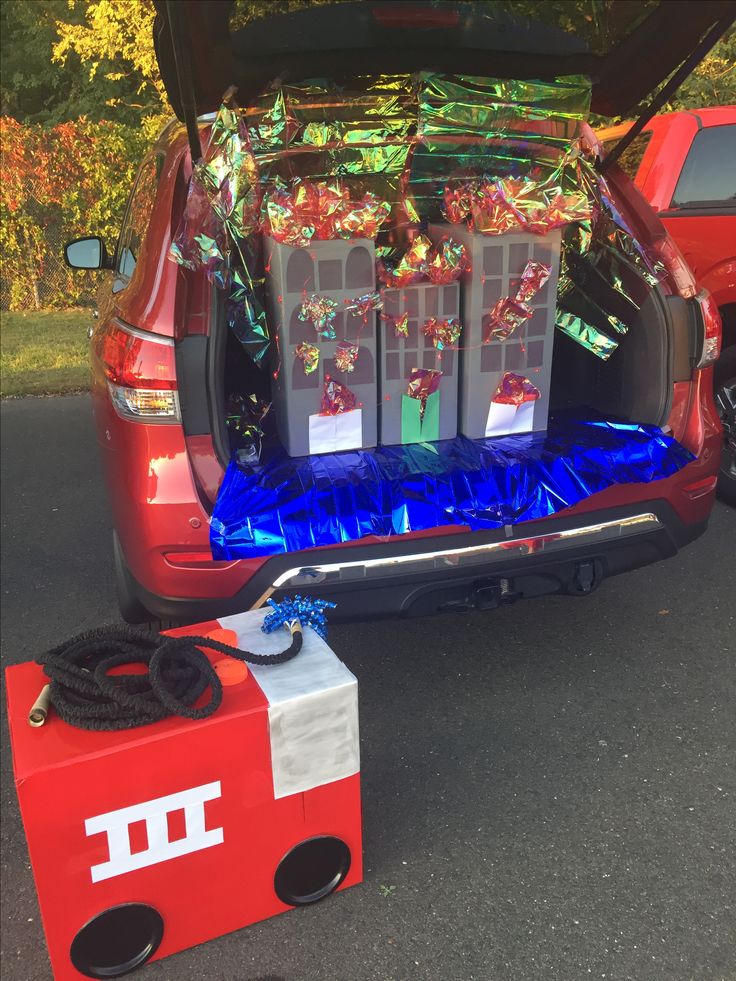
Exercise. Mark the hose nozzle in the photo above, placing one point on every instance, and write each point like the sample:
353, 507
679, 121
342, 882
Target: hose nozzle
40, 708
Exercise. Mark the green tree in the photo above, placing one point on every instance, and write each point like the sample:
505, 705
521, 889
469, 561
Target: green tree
114, 41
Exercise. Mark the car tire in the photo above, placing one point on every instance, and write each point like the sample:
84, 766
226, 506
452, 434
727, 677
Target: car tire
131, 608
725, 398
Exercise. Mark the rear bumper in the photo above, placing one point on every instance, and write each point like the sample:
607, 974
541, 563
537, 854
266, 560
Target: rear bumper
398, 578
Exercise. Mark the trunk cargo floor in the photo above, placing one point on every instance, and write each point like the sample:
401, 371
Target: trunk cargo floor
286, 504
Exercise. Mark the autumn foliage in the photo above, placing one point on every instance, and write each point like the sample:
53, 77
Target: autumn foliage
59, 183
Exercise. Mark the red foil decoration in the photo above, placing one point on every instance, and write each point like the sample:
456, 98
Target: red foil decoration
515, 389
423, 382
457, 198
401, 325
443, 333
411, 268
336, 398
514, 204
491, 212
346, 355
447, 261
305, 211
290, 214
505, 317
533, 278
361, 219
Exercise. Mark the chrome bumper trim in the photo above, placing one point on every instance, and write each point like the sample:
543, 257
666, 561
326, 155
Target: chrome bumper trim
331, 573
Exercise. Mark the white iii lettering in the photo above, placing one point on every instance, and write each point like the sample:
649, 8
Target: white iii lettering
155, 814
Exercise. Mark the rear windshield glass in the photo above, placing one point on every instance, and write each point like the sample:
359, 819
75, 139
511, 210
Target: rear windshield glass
630, 160
601, 25
709, 174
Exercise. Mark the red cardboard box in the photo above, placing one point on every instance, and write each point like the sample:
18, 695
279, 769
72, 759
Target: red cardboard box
151, 840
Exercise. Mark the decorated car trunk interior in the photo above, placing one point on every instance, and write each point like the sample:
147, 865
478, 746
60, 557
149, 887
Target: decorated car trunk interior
437, 314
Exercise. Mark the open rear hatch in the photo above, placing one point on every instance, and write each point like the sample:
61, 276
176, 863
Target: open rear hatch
455, 319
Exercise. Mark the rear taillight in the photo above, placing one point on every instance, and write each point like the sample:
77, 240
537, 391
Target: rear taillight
674, 262
708, 345
140, 370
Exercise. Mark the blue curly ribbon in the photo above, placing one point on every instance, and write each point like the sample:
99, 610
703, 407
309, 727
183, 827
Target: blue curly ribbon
309, 613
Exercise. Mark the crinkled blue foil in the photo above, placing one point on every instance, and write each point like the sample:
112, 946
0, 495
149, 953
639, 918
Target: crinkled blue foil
287, 504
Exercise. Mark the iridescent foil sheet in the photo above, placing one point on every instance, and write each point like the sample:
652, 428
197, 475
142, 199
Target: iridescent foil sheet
586, 335
472, 126
288, 504
216, 232
362, 131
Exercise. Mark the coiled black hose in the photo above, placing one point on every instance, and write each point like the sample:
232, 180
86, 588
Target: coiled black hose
86, 695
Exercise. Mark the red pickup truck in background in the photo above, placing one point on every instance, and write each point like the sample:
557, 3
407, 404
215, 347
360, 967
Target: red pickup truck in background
684, 163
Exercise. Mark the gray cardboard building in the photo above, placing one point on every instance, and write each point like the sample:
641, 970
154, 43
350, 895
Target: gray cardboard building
399, 355
496, 265
342, 271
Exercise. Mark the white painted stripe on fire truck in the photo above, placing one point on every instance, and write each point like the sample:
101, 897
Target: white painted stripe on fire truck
312, 707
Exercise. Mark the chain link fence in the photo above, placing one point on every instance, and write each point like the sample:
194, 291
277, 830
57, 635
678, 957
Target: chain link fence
33, 275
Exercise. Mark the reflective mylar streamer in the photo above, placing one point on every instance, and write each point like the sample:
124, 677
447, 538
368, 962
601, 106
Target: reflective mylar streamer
472, 126
585, 334
245, 310
297, 609
217, 226
286, 504
362, 132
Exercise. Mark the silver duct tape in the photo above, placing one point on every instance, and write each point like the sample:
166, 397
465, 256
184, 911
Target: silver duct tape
312, 707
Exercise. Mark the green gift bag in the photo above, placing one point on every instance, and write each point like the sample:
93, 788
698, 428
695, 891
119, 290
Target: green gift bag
414, 428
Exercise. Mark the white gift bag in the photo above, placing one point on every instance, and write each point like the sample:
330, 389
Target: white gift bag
504, 420
331, 434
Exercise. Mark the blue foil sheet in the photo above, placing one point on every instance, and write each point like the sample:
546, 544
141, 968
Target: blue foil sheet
287, 504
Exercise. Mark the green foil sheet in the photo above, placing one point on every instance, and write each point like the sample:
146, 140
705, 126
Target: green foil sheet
417, 427
362, 131
473, 127
585, 334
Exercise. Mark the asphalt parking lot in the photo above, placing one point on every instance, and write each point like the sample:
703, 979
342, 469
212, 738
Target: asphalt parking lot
549, 789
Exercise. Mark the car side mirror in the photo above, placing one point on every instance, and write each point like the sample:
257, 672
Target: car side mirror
87, 253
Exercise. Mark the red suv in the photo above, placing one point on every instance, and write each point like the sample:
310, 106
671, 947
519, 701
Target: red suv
677, 162
160, 348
